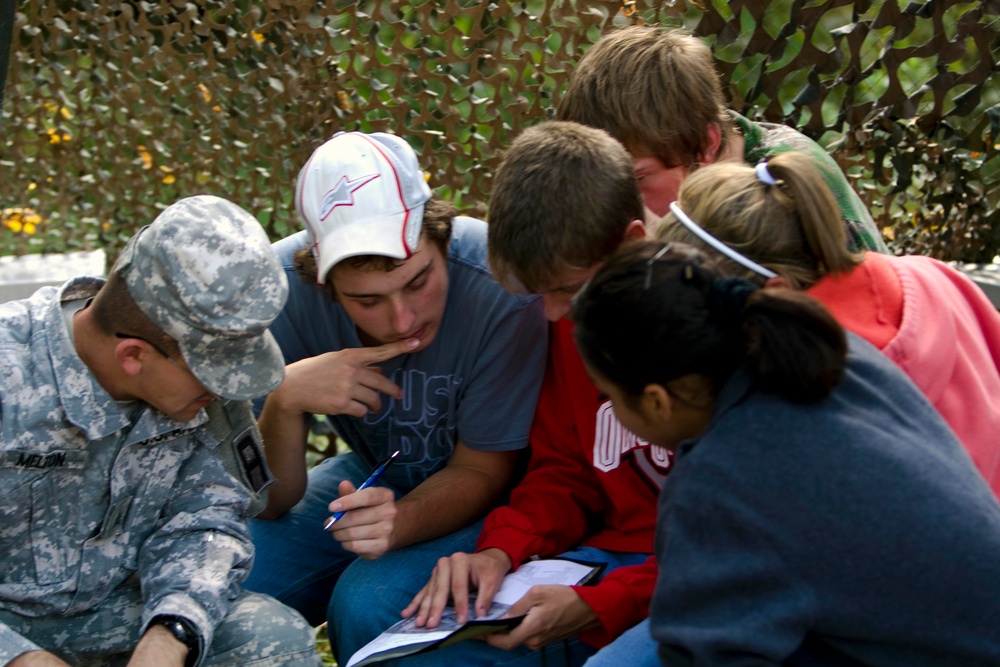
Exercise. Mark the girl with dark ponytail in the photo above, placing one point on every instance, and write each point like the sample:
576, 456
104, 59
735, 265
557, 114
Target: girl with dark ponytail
790, 342
817, 504
935, 323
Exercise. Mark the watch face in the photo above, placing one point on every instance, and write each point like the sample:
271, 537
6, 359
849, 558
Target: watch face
181, 630
178, 630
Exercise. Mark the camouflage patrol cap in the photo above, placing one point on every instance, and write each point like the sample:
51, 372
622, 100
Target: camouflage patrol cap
205, 274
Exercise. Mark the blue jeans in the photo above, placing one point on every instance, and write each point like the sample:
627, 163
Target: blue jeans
371, 594
355, 630
296, 561
299, 563
635, 648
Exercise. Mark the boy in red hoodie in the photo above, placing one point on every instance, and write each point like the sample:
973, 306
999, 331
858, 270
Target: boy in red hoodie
564, 198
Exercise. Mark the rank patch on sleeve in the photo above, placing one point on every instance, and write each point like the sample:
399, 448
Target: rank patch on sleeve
251, 458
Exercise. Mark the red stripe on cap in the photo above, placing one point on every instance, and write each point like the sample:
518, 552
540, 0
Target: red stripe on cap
399, 189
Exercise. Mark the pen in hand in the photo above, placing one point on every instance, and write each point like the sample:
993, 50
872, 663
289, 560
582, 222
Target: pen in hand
372, 478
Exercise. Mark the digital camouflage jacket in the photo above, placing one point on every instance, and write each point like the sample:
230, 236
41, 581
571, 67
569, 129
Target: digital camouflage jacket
96, 495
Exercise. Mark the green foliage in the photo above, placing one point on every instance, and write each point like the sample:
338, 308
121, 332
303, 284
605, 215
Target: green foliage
114, 110
323, 647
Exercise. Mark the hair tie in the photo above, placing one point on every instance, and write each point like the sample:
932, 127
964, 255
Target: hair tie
727, 297
763, 175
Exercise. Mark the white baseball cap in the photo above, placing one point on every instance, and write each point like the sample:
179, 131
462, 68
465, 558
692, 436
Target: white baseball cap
361, 194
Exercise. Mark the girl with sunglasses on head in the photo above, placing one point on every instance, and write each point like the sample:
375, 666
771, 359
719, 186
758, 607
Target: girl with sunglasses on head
820, 512
932, 321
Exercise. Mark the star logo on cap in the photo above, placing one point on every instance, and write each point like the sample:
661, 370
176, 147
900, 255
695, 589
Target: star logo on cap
342, 193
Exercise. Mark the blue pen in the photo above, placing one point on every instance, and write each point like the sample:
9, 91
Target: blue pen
372, 478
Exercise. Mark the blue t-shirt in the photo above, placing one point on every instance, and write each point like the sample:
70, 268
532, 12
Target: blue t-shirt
477, 382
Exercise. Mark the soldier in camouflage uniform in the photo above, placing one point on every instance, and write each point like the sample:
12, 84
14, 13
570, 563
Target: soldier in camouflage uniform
123, 537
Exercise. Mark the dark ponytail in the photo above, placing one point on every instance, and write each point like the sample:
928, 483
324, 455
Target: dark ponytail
794, 347
655, 313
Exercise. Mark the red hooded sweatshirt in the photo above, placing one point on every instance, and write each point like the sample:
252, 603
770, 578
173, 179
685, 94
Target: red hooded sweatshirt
590, 482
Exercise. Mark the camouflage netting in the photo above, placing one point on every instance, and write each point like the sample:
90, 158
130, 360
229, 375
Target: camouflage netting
113, 110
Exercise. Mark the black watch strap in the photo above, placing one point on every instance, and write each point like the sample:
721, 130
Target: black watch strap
183, 631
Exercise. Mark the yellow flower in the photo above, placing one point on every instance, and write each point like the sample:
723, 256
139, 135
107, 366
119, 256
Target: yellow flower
21, 219
205, 93
147, 159
55, 137
258, 37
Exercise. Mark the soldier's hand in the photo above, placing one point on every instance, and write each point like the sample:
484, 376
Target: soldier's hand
346, 382
37, 659
158, 648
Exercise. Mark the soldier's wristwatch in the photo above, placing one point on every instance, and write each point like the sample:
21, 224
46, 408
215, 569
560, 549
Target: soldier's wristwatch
183, 631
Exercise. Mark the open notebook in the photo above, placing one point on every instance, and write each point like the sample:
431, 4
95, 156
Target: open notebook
404, 638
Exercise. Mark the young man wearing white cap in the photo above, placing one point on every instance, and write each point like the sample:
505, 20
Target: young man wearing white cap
405, 341
122, 536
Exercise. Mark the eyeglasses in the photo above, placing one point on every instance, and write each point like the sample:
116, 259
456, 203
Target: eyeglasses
649, 265
732, 254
